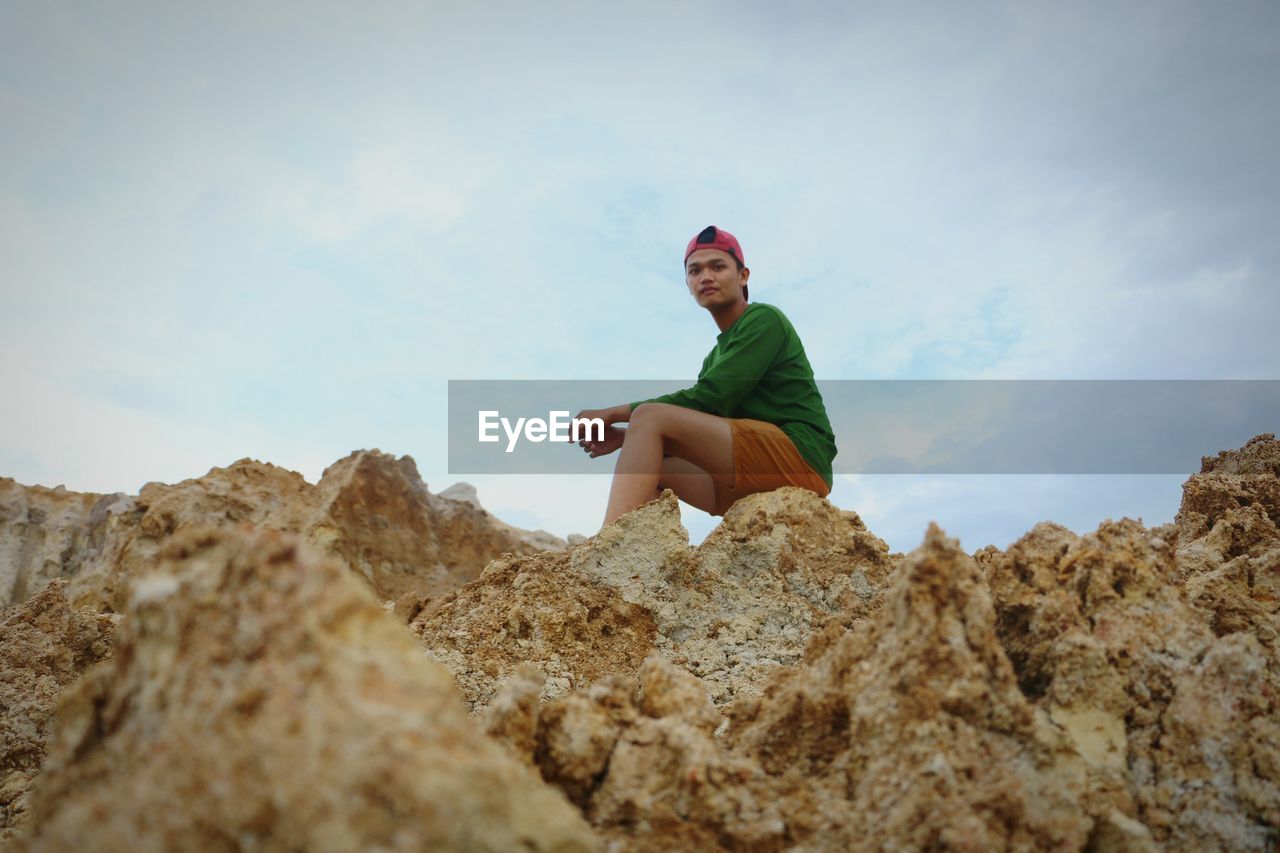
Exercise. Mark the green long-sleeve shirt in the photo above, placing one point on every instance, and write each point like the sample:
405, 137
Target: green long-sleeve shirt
758, 370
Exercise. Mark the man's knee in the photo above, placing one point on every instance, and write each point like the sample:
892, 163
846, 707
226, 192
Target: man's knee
647, 415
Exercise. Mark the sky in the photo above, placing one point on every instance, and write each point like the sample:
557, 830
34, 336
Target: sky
277, 230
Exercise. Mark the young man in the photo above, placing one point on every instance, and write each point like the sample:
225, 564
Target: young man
753, 422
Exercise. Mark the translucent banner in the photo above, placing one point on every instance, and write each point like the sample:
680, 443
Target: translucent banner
903, 426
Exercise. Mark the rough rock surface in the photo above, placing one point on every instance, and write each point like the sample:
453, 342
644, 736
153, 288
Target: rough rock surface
1229, 540
369, 510
45, 644
42, 534
639, 757
260, 698
730, 610
907, 731
1072, 692
788, 684
1177, 726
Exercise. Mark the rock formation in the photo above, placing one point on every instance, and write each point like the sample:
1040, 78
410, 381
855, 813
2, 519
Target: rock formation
43, 533
259, 697
369, 510
1229, 540
1154, 651
730, 610
45, 644
907, 730
788, 684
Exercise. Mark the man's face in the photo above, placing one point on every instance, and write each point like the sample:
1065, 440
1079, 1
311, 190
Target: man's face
714, 278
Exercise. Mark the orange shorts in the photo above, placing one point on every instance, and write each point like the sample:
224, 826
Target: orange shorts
764, 459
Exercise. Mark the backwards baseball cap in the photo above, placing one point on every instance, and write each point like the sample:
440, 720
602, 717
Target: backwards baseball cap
712, 237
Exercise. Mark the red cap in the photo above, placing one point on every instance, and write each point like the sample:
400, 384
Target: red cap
712, 237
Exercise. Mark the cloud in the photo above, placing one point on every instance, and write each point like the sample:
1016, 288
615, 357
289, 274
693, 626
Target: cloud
295, 222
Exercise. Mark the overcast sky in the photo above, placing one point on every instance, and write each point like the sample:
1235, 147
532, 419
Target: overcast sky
276, 230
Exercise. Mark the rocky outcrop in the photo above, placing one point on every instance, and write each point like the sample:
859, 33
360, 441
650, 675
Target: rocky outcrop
909, 730
788, 684
260, 697
906, 731
45, 645
639, 756
1070, 692
369, 510
730, 611
1229, 540
1177, 727
43, 534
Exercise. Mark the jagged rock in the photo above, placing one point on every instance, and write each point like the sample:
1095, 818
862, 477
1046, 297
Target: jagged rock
464, 492
909, 731
42, 532
512, 717
534, 610
45, 644
1106, 642
260, 698
1229, 541
370, 510
787, 684
730, 610
639, 757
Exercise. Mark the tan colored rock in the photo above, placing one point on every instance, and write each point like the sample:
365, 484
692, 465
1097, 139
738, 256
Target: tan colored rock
670, 785
512, 717
910, 732
639, 757
534, 610
45, 644
780, 565
730, 611
575, 735
261, 698
1108, 645
906, 732
1229, 541
43, 532
369, 510
788, 684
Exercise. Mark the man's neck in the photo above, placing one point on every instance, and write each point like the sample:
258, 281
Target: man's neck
729, 315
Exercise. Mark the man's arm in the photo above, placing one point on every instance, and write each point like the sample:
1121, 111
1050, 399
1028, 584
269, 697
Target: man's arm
747, 356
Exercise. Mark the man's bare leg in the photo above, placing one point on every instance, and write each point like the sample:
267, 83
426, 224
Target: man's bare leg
657, 430
690, 483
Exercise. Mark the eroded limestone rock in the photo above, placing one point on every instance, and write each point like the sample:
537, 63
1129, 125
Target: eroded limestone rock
260, 697
640, 758
45, 644
786, 685
730, 611
1108, 644
909, 730
1229, 540
370, 510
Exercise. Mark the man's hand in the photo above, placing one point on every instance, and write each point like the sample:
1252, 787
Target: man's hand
613, 435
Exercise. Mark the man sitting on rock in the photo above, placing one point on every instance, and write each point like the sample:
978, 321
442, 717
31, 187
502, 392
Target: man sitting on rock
753, 422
